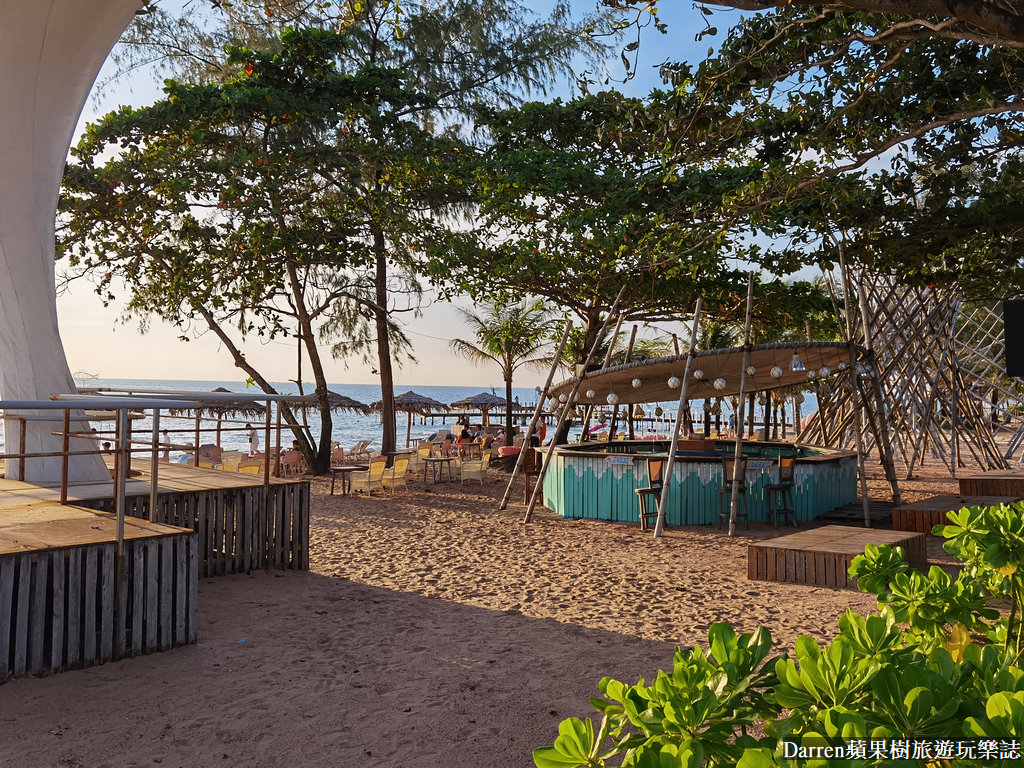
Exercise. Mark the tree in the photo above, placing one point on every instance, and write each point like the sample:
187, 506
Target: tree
243, 207
575, 202
898, 134
510, 335
458, 52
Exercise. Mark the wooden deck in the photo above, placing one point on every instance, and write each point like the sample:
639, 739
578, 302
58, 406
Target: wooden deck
924, 515
822, 556
62, 603
994, 482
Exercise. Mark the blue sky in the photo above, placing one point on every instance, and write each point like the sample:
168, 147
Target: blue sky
95, 342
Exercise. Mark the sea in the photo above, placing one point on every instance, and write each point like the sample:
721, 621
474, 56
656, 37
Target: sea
348, 428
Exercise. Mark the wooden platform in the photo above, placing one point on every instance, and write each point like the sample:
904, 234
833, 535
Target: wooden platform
924, 515
241, 524
822, 556
62, 605
994, 482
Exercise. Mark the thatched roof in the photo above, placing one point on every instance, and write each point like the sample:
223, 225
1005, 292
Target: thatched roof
653, 375
337, 402
413, 402
482, 402
223, 407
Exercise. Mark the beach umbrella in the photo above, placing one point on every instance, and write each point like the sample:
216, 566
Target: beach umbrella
337, 402
413, 402
222, 409
483, 402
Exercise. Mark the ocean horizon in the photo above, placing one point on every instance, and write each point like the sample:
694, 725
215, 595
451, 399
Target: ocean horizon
347, 427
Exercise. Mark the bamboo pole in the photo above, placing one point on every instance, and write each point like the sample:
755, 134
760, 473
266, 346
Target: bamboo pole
659, 524
738, 451
572, 395
518, 468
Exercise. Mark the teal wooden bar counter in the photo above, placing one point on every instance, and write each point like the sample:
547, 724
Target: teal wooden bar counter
598, 480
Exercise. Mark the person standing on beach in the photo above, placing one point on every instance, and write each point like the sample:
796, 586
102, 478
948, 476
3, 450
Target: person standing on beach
166, 440
254, 439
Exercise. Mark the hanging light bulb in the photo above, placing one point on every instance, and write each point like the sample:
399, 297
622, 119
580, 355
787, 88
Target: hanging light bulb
591, 394
776, 372
612, 398
799, 397
841, 366
563, 397
825, 371
751, 370
811, 373
698, 374
719, 384
796, 364
636, 383
761, 399
674, 382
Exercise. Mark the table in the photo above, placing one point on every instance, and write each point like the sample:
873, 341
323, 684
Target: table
924, 515
346, 476
437, 465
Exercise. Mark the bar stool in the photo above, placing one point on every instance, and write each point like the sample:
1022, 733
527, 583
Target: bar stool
780, 495
655, 483
728, 469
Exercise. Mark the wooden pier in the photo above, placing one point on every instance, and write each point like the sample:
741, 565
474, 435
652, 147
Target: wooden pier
822, 556
924, 515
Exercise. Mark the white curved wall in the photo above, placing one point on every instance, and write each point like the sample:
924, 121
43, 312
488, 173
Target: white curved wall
50, 54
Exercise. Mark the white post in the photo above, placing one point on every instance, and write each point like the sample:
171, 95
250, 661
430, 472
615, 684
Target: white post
50, 53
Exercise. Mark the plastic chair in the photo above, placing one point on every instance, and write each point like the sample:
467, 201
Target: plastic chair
475, 470
338, 457
728, 468
370, 479
397, 475
652, 492
780, 495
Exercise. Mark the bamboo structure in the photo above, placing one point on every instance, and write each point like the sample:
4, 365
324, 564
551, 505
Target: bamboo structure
932, 372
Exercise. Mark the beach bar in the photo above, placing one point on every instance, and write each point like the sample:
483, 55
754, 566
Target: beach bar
598, 480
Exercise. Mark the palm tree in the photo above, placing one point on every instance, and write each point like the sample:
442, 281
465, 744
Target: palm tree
511, 335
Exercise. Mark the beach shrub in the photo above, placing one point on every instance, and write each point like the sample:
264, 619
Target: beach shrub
937, 662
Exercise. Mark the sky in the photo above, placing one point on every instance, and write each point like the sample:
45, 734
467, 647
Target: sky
97, 343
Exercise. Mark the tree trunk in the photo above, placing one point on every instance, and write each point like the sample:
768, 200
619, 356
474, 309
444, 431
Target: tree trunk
388, 439
508, 410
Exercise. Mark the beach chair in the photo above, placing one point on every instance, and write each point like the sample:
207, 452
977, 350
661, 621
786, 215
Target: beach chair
475, 470
649, 496
779, 496
251, 466
397, 475
360, 450
725, 492
370, 479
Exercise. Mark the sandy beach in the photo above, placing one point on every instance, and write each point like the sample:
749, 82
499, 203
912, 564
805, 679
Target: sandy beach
431, 630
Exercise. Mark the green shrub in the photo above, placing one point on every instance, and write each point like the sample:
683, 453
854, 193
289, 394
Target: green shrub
918, 669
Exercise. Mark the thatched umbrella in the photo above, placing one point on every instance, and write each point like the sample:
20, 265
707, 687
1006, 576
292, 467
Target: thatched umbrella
221, 409
413, 402
336, 402
483, 402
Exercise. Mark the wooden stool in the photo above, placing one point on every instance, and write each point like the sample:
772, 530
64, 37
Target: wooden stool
780, 495
728, 466
652, 491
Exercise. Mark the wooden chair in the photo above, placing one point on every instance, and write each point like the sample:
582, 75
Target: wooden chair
397, 475
530, 469
651, 494
475, 470
780, 495
372, 478
338, 457
728, 468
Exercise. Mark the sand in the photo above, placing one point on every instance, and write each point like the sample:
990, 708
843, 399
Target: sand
431, 630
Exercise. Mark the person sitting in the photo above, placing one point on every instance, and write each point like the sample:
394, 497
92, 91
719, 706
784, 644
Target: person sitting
465, 438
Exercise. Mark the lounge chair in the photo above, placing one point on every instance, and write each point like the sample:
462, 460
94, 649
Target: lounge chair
372, 478
360, 450
475, 470
397, 475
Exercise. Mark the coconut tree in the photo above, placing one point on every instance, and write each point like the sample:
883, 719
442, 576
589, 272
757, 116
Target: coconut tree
511, 335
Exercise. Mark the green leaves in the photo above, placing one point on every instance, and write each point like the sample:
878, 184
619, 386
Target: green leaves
573, 747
